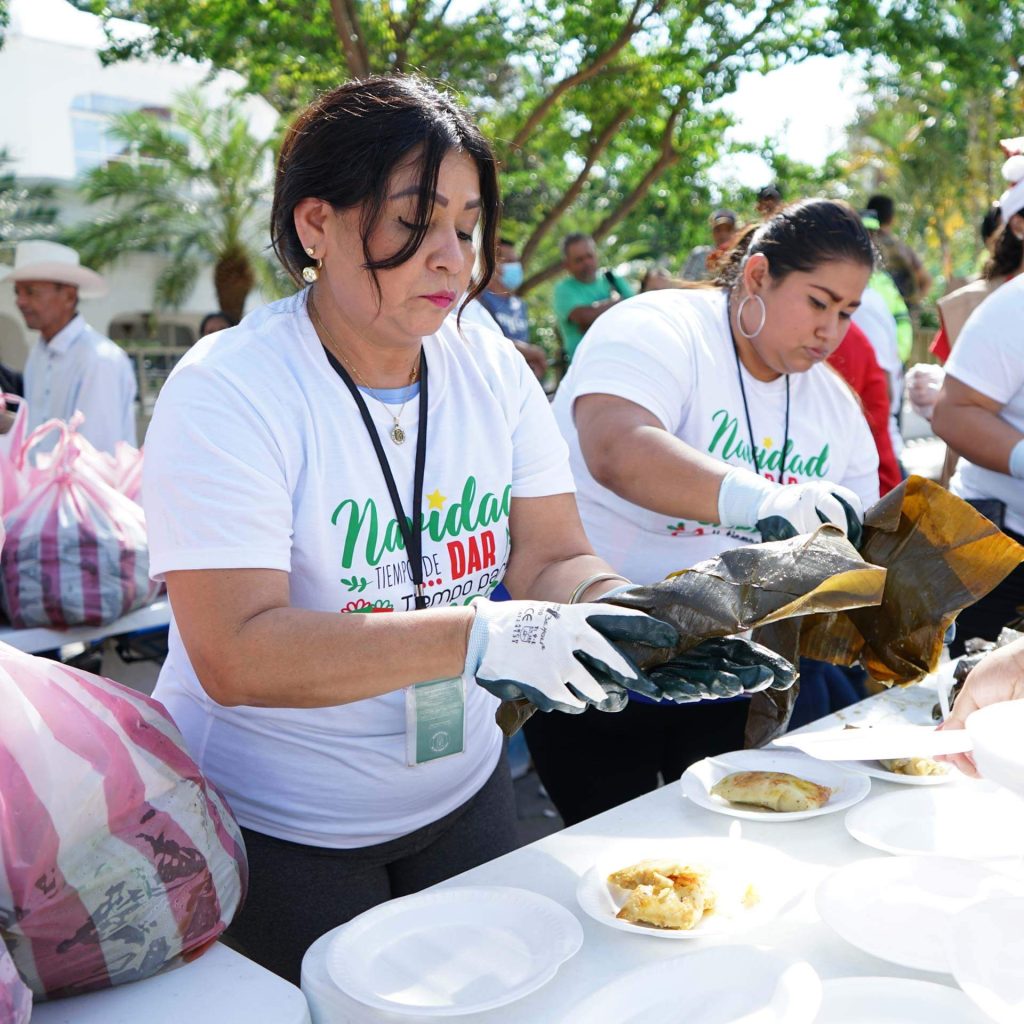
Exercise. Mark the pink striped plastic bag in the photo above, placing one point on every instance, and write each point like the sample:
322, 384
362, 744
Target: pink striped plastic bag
128, 479
76, 550
15, 997
116, 855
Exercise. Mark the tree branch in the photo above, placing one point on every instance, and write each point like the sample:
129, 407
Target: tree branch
404, 30
738, 44
633, 24
353, 45
597, 147
667, 156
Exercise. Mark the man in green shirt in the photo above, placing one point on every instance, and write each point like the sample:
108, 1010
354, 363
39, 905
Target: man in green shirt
585, 294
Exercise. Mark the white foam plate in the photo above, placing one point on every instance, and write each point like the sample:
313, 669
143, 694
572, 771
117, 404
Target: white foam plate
774, 991
986, 950
995, 731
894, 1001
734, 866
448, 952
973, 822
869, 744
900, 908
875, 770
848, 787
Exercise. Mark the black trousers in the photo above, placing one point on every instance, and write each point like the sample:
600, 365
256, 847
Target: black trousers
297, 892
987, 617
592, 762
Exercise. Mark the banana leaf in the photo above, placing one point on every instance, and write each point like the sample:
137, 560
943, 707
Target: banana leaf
749, 586
925, 555
941, 556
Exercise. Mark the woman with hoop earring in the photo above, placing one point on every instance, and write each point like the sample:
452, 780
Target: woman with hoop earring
699, 420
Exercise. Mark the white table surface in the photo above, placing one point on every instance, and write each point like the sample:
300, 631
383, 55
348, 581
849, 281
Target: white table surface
36, 639
552, 866
221, 987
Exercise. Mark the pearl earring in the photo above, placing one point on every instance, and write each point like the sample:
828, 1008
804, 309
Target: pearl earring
311, 274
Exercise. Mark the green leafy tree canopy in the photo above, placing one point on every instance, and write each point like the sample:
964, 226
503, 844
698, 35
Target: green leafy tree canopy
590, 103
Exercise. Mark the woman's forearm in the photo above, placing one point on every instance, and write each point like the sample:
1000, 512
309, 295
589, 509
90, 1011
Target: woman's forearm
249, 647
291, 657
558, 580
977, 434
651, 468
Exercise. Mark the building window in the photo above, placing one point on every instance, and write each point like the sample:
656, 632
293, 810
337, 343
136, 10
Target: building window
91, 114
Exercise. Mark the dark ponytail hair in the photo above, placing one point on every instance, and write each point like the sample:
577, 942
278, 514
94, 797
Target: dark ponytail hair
344, 147
801, 238
1008, 255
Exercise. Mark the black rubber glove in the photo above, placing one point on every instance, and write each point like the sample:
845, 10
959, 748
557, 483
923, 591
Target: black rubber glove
722, 667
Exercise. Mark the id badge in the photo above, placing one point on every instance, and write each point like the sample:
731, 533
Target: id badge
435, 720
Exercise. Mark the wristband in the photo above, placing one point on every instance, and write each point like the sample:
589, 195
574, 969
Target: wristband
585, 585
1017, 461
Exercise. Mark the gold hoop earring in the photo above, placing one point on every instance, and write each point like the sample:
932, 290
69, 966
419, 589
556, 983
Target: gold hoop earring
312, 274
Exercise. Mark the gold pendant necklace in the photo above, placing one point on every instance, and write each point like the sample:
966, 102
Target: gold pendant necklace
396, 433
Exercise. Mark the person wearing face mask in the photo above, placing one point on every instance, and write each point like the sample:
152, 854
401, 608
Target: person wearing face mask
509, 310
695, 418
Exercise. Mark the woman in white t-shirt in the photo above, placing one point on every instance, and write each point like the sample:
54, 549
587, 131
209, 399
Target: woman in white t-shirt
980, 414
980, 409
685, 410
347, 450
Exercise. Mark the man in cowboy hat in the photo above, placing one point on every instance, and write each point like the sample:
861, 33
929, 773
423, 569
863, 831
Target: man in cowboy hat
71, 366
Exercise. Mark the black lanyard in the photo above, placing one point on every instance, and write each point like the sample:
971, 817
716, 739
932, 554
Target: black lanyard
746, 408
412, 533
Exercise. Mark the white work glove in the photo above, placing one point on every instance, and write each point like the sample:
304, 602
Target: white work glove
924, 382
746, 499
561, 657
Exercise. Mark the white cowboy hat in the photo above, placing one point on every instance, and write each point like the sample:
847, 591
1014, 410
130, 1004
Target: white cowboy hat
38, 260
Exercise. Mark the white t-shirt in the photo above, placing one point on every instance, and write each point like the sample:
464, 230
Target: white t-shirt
257, 458
989, 357
877, 322
476, 314
671, 352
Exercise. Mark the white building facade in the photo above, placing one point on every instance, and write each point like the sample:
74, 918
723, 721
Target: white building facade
57, 100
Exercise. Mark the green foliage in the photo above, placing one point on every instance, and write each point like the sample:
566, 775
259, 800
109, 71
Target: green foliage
591, 103
25, 211
193, 188
949, 89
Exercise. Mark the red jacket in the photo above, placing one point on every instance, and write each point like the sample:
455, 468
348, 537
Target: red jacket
856, 363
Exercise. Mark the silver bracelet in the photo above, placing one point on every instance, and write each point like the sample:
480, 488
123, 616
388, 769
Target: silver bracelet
582, 588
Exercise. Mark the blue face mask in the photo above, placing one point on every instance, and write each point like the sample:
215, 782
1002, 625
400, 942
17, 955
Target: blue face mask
512, 275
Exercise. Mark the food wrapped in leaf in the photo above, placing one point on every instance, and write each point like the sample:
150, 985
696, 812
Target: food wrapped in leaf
925, 556
941, 556
729, 594
755, 585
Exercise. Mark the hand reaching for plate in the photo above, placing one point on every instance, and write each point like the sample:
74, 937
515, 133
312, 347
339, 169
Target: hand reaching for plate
998, 677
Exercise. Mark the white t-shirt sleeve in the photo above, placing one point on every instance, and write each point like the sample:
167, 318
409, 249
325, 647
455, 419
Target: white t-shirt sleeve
214, 482
988, 353
639, 354
540, 456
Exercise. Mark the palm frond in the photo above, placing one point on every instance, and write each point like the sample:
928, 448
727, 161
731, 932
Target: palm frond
193, 188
